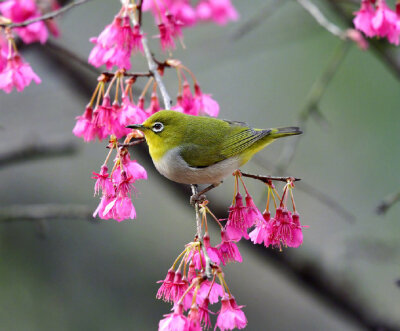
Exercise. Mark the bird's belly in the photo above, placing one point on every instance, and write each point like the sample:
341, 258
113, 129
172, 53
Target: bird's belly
172, 166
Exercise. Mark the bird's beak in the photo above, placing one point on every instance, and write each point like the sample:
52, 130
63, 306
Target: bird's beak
137, 127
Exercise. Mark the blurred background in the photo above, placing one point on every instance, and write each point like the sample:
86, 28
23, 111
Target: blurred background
276, 66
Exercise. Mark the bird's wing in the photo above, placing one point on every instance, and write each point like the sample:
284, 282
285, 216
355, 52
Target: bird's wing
241, 140
212, 148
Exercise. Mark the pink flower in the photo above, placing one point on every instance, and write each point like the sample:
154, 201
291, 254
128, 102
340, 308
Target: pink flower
164, 292
22, 10
104, 202
384, 20
253, 214
194, 319
154, 106
137, 37
231, 315
212, 252
18, 74
166, 36
184, 13
210, 291
363, 19
204, 103
228, 250
120, 209
175, 321
115, 44
187, 101
83, 127
205, 313
103, 182
178, 287
219, 11
262, 230
238, 213
285, 229
131, 167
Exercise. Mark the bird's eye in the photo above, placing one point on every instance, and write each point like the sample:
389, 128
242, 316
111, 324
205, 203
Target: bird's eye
158, 127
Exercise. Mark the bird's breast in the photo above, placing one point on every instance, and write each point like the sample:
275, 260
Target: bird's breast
174, 167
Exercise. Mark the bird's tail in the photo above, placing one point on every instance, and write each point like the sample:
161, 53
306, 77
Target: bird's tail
284, 132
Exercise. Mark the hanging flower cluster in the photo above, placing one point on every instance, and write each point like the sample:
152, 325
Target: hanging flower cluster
15, 72
191, 288
376, 19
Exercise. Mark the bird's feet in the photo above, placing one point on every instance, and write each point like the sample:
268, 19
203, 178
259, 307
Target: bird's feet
197, 198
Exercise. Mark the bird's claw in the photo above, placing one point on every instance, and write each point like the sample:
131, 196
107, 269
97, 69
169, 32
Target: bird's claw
196, 198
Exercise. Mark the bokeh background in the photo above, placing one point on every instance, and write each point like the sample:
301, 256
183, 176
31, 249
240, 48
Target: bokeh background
70, 273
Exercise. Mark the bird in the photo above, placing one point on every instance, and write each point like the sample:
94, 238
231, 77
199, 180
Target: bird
203, 150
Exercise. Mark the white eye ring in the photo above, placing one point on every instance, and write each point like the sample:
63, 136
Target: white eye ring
158, 127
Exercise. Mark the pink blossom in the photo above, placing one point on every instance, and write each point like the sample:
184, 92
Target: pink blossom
103, 182
231, 315
204, 103
22, 10
212, 295
184, 13
104, 202
121, 208
253, 214
83, 127
175, 321
115, 44
384, 21
175, 26
18, 74
262, 229
178, 107
238, 213
205, 313
187, 101
363, 18
178, 287
228, 250
284, 229
212, 252
194, 319
137, 37
166, 36
154, 104
219, 11
131, 167
164, 292
234, 233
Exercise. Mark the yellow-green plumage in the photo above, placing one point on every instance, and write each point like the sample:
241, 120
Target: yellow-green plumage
202, 142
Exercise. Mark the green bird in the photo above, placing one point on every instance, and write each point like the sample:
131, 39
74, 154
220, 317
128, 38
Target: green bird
203, 150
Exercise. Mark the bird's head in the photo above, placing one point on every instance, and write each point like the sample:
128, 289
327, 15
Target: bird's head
163, 130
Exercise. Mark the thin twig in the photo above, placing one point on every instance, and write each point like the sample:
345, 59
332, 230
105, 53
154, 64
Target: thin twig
151, 63
47, 16
44, 212
388, 202
321, 19
267, 179
37, 150
199, 234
